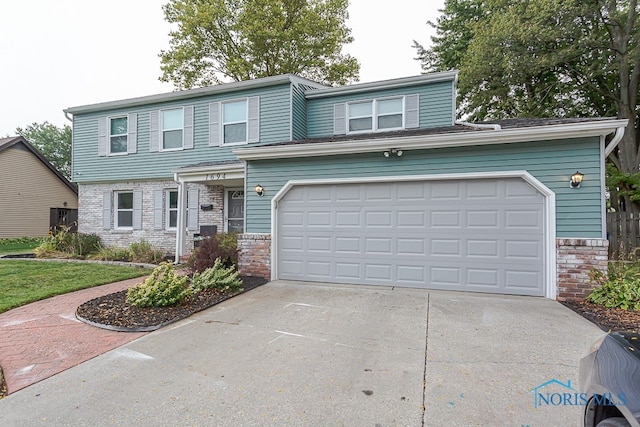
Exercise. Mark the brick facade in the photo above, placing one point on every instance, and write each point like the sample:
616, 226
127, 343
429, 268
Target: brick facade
575, 259
254, 255
90, 213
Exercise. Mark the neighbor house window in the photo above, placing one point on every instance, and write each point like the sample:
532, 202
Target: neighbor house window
172, 129
375, 115
118, 135
172, 209
234, 122
124, 209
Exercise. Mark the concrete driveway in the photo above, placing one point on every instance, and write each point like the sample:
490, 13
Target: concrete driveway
328, 355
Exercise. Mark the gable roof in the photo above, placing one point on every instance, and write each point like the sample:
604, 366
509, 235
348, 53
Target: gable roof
6, 143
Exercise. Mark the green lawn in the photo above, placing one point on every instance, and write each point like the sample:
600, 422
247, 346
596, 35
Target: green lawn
22, 282
20, 245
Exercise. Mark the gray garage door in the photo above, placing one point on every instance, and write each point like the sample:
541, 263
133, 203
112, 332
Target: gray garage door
483, 235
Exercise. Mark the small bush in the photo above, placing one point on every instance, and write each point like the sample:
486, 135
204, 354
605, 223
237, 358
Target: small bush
620, 287
217, 277
162, 288
113, 253
66, 244
142, 251
221, 246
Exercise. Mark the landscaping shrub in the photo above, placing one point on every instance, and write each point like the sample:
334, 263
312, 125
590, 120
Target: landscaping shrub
223, 246
620, 287
65, 244
162, 288
142, 251
113, 253
217, 277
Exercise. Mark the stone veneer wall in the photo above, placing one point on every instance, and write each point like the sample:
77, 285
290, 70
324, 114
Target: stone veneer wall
575, 259
254, 254
90, 213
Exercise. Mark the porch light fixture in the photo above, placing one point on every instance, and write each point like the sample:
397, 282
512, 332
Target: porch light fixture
395, 151
576, 179
259, 190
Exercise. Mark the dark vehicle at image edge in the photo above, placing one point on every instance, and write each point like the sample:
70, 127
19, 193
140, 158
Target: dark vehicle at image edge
610, 381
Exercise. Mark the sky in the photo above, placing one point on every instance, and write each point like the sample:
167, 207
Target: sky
67, 53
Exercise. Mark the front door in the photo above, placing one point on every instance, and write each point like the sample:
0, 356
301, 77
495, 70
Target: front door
234, 211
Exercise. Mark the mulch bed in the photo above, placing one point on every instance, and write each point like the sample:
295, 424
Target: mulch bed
113, 311
607, 319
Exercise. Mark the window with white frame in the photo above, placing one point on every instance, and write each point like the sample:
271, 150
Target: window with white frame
234, 122
118, 135
172, 129
171, 209
375, 115
124, 209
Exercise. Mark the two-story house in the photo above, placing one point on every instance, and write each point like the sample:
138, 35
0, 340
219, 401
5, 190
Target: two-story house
373, 184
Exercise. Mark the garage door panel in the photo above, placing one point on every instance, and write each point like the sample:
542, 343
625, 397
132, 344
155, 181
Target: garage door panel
477, 235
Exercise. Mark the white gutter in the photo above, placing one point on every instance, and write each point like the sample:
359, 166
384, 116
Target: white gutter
66, 116
431, 141
615, 141
479, 125
181, 223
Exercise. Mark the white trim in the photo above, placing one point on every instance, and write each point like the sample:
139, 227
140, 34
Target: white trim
550, 285
603, 187
383, 84
245, 121
168, 209
214, 174
442, 140
375, 114
116, 209
616, 139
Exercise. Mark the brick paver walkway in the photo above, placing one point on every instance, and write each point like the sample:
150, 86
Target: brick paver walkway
44, 338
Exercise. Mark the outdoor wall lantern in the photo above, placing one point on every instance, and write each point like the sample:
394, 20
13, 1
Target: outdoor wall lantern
259, 190
576, 179
395, 151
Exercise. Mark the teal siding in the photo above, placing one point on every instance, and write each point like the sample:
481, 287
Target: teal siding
275, 105
299, 112
552, 162
436, 106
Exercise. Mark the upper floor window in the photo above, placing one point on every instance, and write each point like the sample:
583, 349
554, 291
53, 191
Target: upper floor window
375, 115
118, 135
234, 121
172, 129
123, 209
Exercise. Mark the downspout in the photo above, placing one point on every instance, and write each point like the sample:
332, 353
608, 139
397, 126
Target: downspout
615, 141
479, 125
181, 223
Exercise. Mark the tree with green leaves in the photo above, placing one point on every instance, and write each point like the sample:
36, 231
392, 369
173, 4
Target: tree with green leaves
239, 40
546, 58
54, 144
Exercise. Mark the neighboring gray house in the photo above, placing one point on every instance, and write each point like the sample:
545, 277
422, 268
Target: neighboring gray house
372, 184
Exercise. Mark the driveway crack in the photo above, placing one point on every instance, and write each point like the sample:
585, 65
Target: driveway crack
424, 372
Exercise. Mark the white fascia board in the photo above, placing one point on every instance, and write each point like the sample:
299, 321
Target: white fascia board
442, 140
383, 84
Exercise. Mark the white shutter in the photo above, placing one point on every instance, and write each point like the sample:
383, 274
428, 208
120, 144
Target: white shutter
192, 206
157, 209
411, 111
102, 136
106, 210
188, 128
132, 136
253, 122
214, 124
137, 210
155, 131
339, 119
